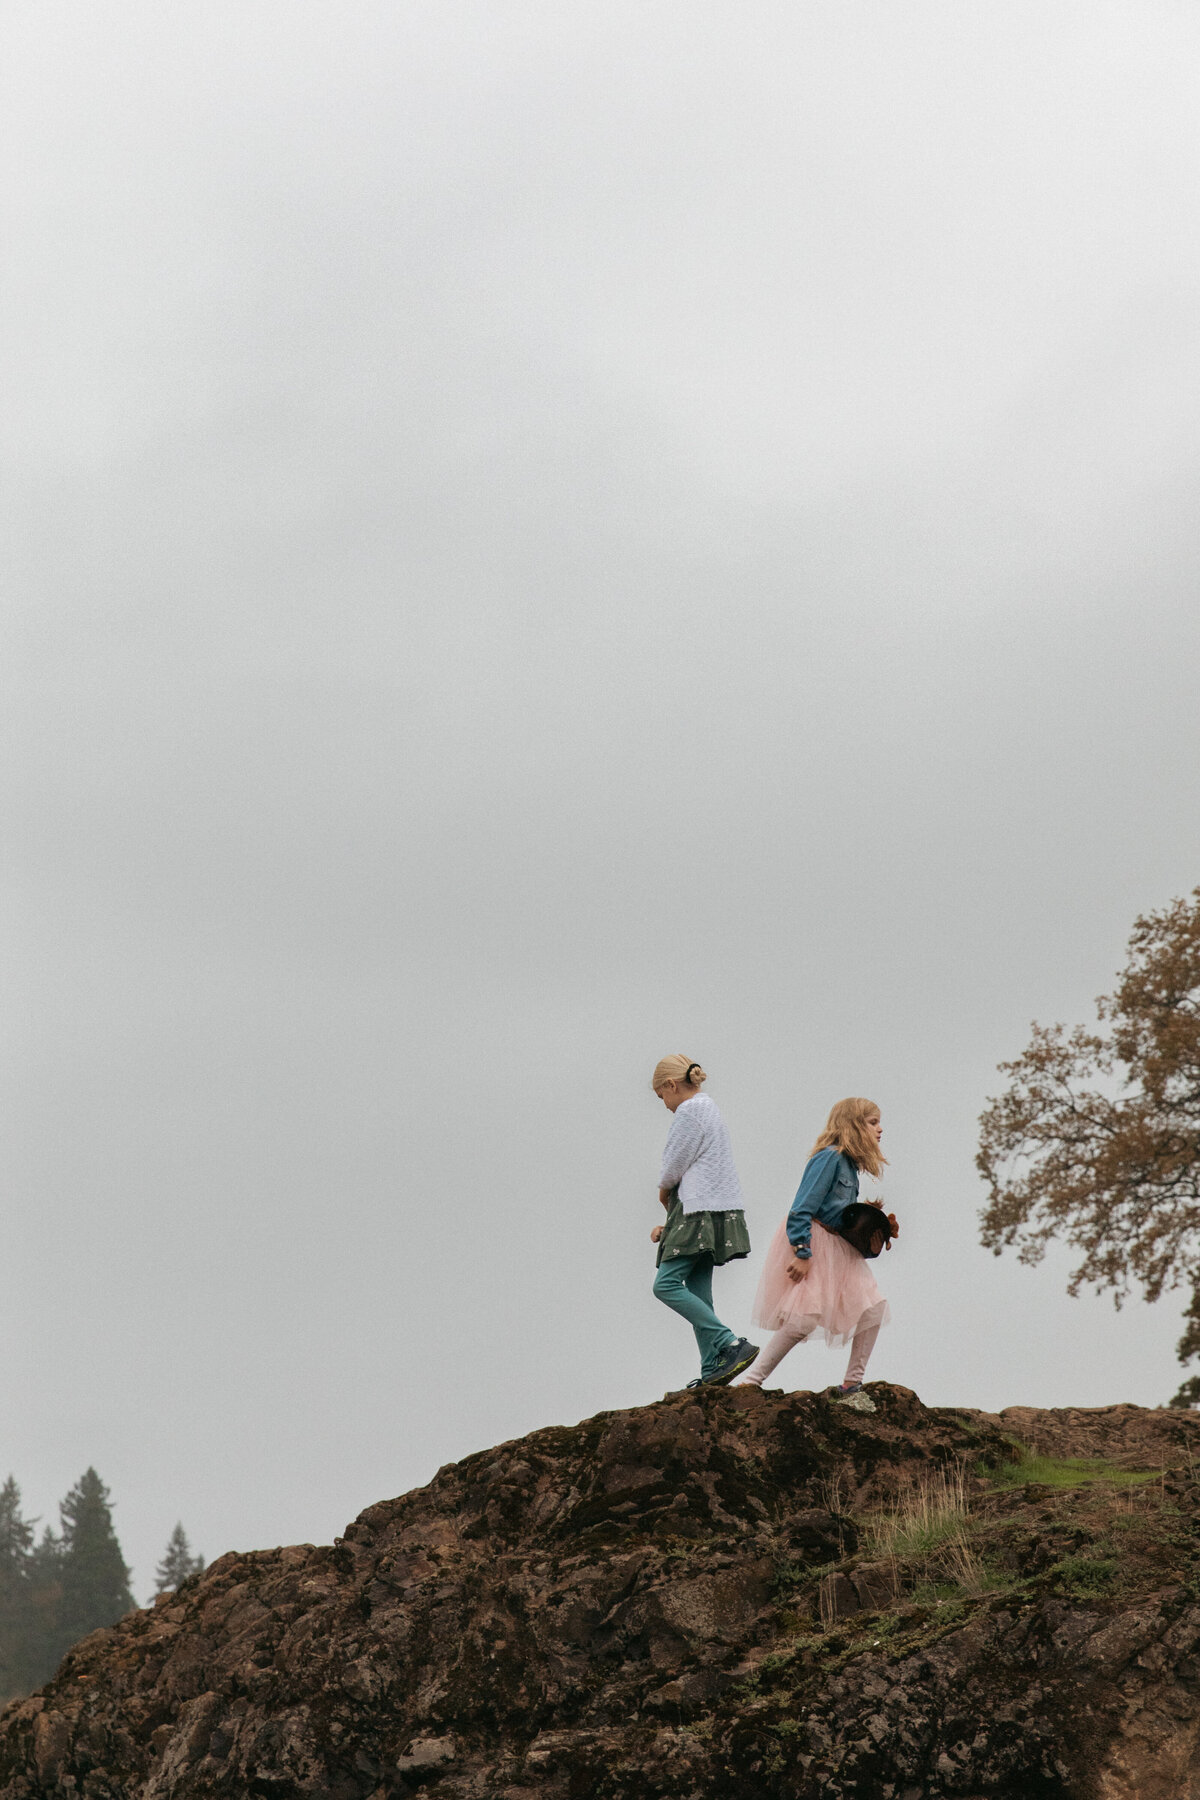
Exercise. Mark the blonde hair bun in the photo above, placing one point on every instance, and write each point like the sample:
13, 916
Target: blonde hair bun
678, 1068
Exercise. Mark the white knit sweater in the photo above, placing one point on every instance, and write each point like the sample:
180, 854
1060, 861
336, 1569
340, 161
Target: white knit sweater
698, 1159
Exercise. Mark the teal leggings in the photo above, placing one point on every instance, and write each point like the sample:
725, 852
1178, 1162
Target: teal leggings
684, 1283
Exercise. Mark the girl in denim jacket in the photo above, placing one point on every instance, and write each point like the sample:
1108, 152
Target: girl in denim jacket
813, 1279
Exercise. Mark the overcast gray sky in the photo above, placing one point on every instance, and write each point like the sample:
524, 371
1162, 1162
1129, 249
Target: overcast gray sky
537, 536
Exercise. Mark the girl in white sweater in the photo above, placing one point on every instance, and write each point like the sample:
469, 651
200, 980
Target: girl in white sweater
698, 1186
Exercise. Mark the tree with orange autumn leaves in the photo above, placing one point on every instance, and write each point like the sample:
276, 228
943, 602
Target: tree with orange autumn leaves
1096, 1139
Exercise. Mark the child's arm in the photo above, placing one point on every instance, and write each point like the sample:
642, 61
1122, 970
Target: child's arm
684, 1142
664, 1196
817, 1180
679, 1153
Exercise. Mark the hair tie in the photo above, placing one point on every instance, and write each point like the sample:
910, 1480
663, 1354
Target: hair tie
687, 1073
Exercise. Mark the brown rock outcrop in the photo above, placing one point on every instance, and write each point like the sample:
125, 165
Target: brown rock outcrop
690, 1600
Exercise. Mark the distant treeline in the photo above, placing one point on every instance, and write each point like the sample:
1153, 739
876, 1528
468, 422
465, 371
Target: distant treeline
54, 1591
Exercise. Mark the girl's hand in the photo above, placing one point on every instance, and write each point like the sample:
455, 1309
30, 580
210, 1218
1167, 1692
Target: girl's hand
798, 1268
657, 1233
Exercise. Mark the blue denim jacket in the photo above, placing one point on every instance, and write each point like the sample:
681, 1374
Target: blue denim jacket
828, 1186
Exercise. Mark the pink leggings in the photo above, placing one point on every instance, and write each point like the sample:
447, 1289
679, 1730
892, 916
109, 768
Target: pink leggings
772, 1354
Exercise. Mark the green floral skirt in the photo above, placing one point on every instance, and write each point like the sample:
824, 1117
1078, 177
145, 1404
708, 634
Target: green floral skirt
721, 1235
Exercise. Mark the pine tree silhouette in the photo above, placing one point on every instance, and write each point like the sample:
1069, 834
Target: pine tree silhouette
45, 1648
95, 1580
55, 1591
177, 1563
18, 1647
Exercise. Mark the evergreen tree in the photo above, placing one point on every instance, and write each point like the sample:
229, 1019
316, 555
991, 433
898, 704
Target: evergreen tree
177, 1563
18, 1650
54, 1592
95, 1580
45, 1647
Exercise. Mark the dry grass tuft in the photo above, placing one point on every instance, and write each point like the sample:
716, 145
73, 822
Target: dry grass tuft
927, 1530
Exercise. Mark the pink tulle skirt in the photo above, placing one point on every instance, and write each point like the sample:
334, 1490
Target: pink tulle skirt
837, 1297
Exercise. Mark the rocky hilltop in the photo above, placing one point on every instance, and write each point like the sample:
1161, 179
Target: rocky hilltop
730, 1594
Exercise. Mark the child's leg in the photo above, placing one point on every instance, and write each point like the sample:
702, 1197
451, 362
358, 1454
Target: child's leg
770, 1357
860, 1350
684, 1283
699, 1282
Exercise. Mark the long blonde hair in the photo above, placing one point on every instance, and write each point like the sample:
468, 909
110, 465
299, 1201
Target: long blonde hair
846, 1130
679, 1068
